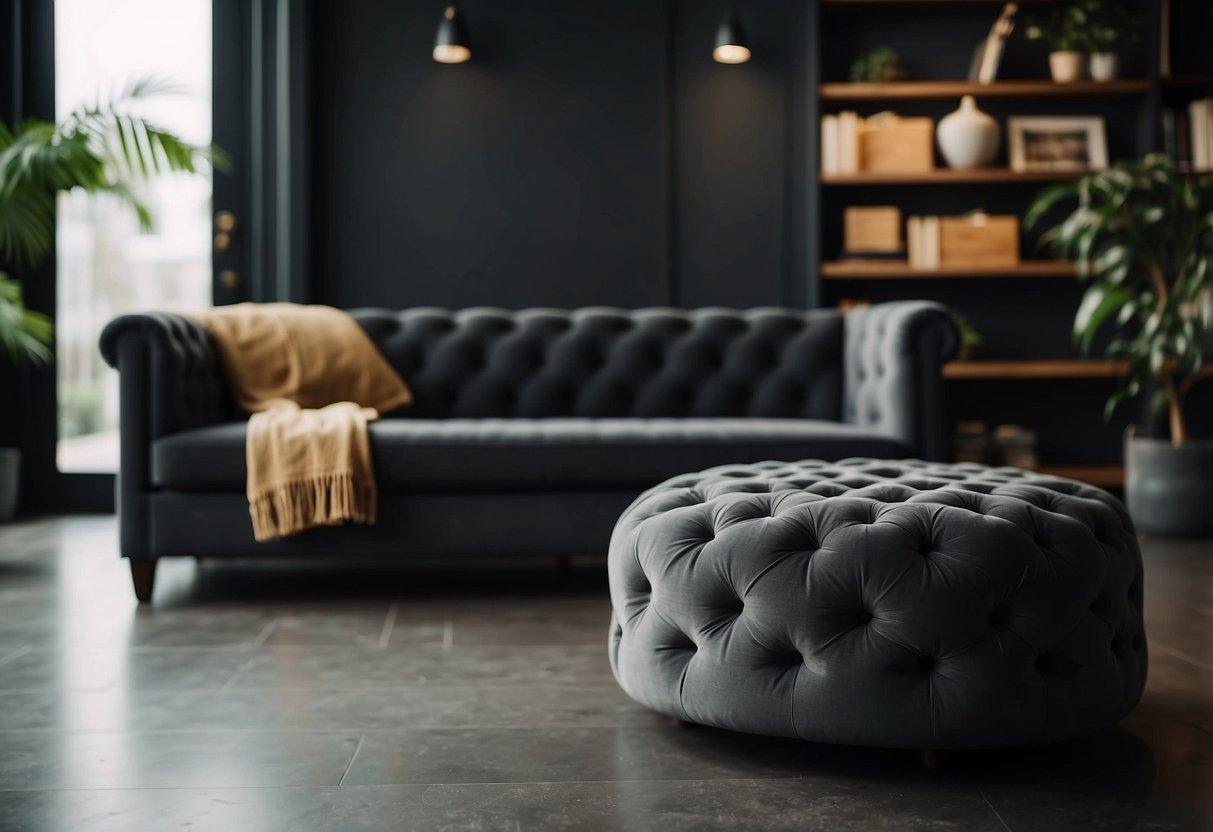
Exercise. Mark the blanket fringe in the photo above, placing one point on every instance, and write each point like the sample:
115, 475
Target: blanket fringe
320, 500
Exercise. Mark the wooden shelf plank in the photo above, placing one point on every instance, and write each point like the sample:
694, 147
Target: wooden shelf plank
1101, 476
880, 270
925, 90
922, 2
1043, 368
948, 176
1047, 368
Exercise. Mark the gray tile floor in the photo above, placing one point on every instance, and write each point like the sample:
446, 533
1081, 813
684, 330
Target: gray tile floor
305, 697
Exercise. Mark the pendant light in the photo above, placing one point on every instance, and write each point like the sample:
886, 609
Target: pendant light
731, 45
452, 44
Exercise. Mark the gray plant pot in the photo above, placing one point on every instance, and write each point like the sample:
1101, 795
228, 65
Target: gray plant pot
1169, 488
10, 477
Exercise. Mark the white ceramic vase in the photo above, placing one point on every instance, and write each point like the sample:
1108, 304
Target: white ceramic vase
968, 138
1105, 66
1066, 67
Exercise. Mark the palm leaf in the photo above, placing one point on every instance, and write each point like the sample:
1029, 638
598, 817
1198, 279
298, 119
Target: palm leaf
24, 334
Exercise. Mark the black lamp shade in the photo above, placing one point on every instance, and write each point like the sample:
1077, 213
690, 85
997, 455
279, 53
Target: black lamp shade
731, 46
452, 44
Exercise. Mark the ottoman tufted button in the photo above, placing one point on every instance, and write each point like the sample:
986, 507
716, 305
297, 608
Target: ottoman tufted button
930, 676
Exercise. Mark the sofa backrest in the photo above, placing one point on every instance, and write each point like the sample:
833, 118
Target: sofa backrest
608, 362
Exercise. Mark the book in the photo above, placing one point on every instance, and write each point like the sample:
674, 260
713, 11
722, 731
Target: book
829, 144
914, 241
848, 142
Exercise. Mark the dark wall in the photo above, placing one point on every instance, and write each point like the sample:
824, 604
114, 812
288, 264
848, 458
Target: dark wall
590, 153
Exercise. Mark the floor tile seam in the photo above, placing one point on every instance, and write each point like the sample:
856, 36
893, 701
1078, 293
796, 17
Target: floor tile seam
478, 784
344, 729
389, 625
354, 756
997, 814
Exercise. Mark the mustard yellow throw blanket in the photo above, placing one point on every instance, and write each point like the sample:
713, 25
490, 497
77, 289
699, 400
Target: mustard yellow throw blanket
313, 382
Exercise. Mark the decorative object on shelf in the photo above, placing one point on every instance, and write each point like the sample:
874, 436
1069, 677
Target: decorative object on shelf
1194, 139
1142, 235
873, 232
880, 66
1015, 445
976, 240
1057, 143
883, 143
1066, 66
102, 147
1064, 30
731, 44
1109, 26
971, 442
988, 55
1105, 66
452, 45
889, 143
971, 341
968, 138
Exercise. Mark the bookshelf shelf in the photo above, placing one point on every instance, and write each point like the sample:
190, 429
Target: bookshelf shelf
1101, 476
1042, 369
878, 270
922, 2
925, 90
947, 176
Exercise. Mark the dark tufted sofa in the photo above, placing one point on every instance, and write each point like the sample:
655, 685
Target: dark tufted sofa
532, 429
867, 602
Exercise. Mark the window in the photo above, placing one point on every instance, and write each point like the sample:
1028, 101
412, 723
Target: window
107, 266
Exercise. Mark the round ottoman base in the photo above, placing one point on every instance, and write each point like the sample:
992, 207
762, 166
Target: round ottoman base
885, 603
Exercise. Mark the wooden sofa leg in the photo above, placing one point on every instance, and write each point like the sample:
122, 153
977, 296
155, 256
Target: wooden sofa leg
143, 576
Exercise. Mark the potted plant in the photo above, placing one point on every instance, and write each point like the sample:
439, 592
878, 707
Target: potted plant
100, 147
1109, 26
1064, 30
1142, 239
879, 66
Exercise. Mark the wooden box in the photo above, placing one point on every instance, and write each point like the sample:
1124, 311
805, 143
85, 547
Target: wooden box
870, 229
978, 240
891, 144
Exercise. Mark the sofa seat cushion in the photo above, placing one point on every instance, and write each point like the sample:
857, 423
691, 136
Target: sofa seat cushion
485, 454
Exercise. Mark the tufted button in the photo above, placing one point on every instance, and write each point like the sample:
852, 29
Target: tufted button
996, 619
863, 616
926, 664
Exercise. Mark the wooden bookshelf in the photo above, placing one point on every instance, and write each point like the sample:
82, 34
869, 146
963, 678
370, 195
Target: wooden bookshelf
927, 90
1045, 368
1101, 476
880, 270
923, 2
948, 176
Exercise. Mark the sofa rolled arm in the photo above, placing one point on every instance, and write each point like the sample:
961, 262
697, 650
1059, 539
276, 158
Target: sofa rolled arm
169, 380
173, 370
893, 356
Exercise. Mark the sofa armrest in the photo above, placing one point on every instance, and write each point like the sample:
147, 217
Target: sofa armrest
893, 357
169, 381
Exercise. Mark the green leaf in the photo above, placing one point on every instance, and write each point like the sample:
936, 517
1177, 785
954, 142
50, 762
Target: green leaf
1098, 302
25, 335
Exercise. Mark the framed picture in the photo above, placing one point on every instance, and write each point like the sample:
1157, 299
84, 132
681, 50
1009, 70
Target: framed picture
1076, 143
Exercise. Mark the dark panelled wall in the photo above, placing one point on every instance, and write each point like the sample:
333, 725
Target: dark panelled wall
590, 153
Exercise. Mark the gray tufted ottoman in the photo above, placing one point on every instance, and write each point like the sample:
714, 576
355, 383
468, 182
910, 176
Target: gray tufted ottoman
897, 604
